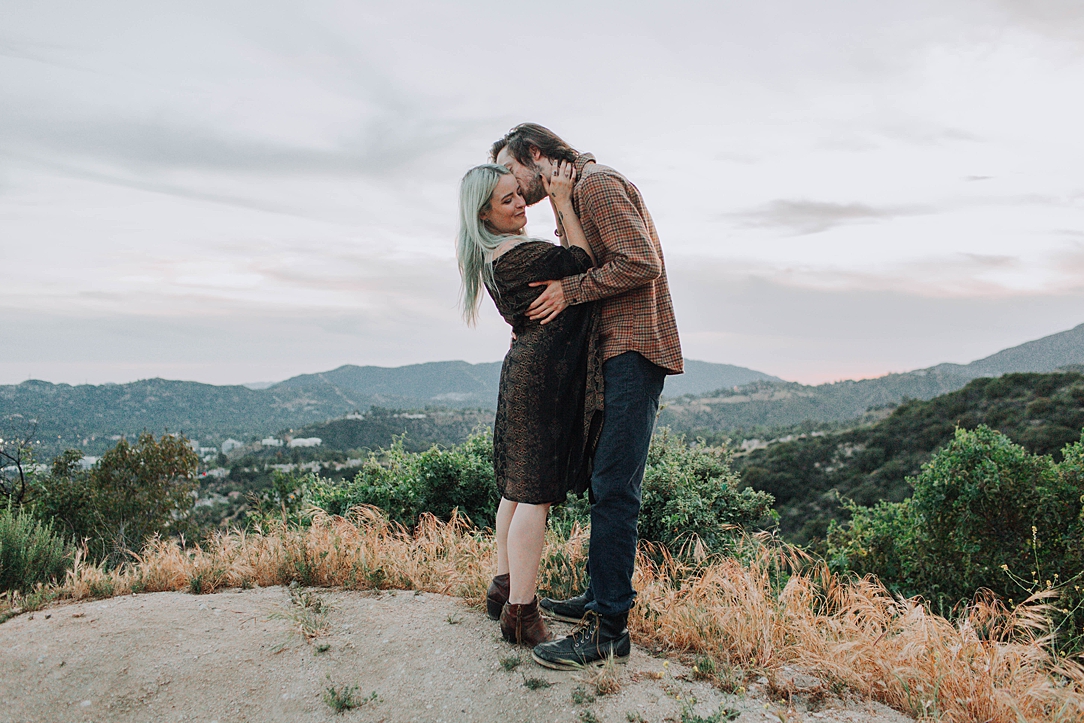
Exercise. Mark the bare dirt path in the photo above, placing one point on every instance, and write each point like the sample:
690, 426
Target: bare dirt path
240, 656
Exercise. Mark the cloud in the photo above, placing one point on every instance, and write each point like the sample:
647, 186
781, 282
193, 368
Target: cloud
803, 217
1059, 19
817, 334
380, 146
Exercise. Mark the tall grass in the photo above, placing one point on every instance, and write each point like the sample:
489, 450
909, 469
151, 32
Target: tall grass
760, 609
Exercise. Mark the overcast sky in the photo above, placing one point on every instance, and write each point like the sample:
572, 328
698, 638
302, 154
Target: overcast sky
239, 192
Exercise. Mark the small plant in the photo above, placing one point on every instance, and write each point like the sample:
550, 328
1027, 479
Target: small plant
195, 584
101, 587
511, 662
322, 647
580, 696
453, 620
588, 717
635, 717
343, 698
309, 613
689, 715
536, 683
606, 680
705, 668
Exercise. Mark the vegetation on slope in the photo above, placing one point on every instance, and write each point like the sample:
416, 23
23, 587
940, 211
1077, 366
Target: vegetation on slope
986, 515
807, 477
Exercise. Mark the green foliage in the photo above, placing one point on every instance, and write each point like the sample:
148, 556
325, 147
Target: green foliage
406, 484
284, 500
687, 490
31, 552
131, 494
691, 490
985, 514
1041, 412
345, 697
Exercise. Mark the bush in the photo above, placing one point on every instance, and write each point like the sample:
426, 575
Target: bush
131, 494
985, 514
687, 490
692, 490
31, 552
406, 484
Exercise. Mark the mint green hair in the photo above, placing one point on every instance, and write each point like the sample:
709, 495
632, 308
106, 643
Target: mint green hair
475, 244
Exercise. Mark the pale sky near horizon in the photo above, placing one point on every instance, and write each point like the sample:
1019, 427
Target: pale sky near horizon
239, 192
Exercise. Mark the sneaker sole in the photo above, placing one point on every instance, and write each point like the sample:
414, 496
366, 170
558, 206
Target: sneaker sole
563, 618
573, 665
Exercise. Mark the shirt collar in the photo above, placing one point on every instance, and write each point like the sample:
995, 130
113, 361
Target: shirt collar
581, 162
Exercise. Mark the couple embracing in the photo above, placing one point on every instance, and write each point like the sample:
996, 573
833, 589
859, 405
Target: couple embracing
594, 337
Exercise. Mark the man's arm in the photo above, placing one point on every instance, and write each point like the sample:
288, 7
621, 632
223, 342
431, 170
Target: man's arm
632, 262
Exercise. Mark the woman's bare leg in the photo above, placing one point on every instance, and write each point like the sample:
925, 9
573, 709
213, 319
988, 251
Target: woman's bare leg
525, 537
505, 510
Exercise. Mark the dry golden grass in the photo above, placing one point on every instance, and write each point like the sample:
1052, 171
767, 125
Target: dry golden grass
763, 608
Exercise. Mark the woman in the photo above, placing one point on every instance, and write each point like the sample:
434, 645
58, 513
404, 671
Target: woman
550, 400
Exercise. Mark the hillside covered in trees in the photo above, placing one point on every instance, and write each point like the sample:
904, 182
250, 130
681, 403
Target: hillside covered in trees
807, 476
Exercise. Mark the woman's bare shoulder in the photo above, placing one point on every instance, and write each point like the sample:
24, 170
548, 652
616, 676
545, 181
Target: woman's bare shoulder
532, 245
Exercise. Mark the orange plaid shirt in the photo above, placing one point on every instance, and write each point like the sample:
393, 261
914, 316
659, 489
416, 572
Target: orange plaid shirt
636, 313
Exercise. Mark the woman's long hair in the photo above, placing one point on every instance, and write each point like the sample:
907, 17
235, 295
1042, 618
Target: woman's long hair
475, 244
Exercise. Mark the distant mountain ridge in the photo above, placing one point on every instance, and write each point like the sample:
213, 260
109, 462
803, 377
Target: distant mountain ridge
67, 415
1047, 354
708, 397
762, 405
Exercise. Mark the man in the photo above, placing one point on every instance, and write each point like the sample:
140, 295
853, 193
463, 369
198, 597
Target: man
640, 346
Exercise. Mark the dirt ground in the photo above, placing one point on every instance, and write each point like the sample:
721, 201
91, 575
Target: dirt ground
241, 656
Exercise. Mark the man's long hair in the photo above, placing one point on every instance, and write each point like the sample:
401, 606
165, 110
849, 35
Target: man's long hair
475, 243
520, 139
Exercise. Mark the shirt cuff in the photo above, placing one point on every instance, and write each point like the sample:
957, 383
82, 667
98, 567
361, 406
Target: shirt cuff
572, 289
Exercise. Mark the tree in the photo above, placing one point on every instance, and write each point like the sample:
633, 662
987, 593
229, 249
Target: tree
16, 458
131, 494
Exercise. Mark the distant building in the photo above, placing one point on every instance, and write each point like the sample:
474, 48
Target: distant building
306, 442
231, 444
271, 442
87, 462
208, 450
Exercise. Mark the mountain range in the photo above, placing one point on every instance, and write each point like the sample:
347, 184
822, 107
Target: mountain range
708, 397
762, 406
92, 417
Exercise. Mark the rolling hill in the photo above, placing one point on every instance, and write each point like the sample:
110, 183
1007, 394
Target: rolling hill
1042, 412
92, 417
754, 408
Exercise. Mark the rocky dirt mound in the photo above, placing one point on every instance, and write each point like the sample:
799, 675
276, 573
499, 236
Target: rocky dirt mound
271, 655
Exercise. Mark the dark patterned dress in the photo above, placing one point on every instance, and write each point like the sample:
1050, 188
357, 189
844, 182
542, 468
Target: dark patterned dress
549, 409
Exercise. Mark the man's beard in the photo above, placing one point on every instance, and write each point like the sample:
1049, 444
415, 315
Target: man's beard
537, 190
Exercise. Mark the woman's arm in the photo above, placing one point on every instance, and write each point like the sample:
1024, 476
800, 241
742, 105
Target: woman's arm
559, 187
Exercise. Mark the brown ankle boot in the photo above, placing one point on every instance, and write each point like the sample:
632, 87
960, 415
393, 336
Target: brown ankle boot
497, 596
522, 624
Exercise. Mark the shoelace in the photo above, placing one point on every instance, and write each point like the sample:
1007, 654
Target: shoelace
588, 627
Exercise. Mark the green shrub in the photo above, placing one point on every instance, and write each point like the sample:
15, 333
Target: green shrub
284, 500
407, 484
132, 493
985, 514
31, 552
692, 490
687, 490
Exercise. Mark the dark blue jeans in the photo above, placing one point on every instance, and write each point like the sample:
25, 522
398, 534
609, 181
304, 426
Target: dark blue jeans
633, 386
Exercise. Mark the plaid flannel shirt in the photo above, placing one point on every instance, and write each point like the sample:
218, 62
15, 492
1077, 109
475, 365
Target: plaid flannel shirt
629, 279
